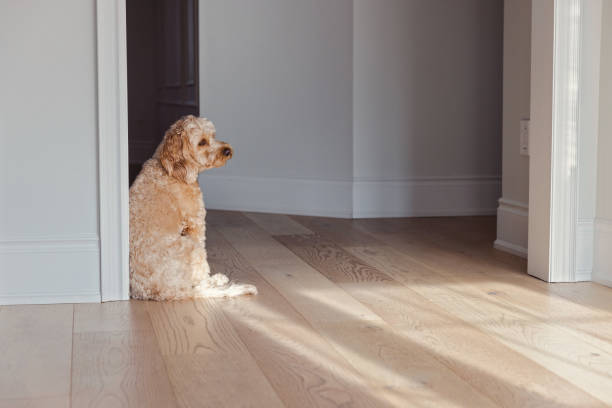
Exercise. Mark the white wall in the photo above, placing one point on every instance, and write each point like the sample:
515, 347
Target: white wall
276, 79
414, 131
512, 224
48, 166
603, 229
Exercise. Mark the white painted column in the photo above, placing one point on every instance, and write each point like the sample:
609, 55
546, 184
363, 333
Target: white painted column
562, 165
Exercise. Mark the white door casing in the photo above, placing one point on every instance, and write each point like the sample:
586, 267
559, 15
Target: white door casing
113, 149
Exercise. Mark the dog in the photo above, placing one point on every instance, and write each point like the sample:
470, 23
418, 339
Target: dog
167, 218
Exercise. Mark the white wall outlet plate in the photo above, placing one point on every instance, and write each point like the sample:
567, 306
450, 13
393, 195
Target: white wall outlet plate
524, 137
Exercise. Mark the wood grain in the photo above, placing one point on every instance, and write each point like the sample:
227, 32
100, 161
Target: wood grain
309, 292
119, 369
207, 363
559, 350
331, 260
299, 363
35, 352
351, 313
50, 402
276, 224
412, 317
403, 373
116, 361
111, 316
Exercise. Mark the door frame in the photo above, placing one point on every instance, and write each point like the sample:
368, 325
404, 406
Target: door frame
113, 166
564, 112
553, 213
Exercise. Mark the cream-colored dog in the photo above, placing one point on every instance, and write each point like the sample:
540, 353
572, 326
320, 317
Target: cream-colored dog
167, 226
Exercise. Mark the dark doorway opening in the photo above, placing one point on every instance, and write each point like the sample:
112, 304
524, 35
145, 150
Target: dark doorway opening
163, 83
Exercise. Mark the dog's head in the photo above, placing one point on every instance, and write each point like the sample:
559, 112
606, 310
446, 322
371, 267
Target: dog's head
189, 147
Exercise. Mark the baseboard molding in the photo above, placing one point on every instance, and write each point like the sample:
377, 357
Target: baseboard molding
584, 275
49, 269
510, 248
426, 197
585, 233
512, 227
49, 298
422, 197
602, 262
278, 195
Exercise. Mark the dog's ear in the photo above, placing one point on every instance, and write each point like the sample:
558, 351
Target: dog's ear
175, 152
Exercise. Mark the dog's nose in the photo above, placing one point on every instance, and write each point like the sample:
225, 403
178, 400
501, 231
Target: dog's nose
227, 151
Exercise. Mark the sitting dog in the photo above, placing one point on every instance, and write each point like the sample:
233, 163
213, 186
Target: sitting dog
167, 226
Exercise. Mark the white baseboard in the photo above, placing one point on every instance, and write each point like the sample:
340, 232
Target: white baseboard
510, 248
278, 195
49, 269
426, 197
584, 250
512, 227
602, 263
49, 298
423, 197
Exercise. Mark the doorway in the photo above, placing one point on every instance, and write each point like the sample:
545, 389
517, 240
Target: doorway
162, 72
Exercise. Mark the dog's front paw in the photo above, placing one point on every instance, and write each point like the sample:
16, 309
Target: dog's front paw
218, 279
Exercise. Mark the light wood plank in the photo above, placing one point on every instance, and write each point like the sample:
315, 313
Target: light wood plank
276, 224
556, 348
302, 367
500, 373
50, 402
111, 316
207, 363
405, 373
116, 359
341, 231
385, 312
119, 369
496, 282
35, 350
586, 307
312, 294
331, 261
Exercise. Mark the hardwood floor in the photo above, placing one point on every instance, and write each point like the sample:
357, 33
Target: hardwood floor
350, 313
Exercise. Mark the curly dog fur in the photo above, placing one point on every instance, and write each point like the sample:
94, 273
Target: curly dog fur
167, 218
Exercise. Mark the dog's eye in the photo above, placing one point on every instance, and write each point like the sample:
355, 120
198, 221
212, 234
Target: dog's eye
202, 142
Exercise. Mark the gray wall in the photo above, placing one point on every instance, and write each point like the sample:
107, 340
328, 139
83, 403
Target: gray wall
512, 214
312, 138
427, 88
48, 158
276, 79
517, 74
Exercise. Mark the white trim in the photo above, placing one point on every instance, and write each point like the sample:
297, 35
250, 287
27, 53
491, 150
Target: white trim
278, 195
49, 298
416, 197
564, 155
510, 248
50, 244
602, 268
426, 197
512, 227
513, 206
112, 149
541, 119
23, 258
561, 165
435, 179
585, 232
